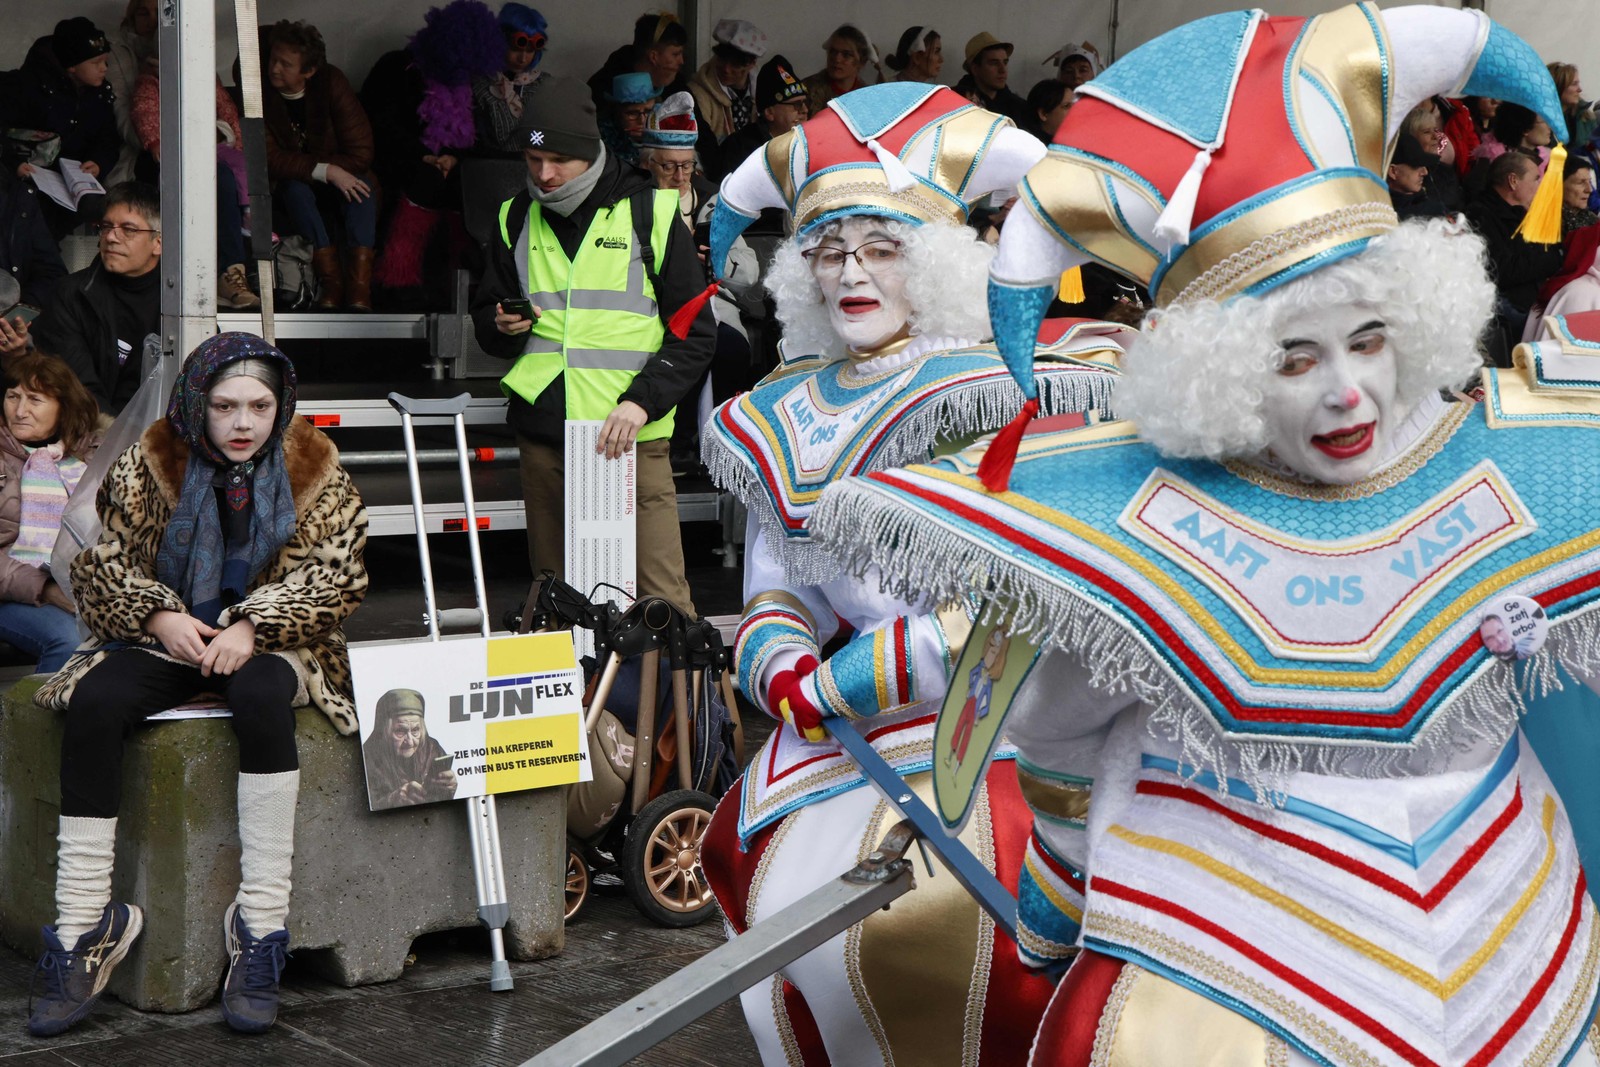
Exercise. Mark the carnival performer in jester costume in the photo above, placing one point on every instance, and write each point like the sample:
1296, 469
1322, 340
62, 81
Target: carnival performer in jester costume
1314, 831
881, 297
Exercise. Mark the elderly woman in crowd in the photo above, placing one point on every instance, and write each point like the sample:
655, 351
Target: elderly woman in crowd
51, 430
230, 556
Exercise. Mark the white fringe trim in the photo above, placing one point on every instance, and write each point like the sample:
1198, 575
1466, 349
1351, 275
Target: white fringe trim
917, 557
959, 412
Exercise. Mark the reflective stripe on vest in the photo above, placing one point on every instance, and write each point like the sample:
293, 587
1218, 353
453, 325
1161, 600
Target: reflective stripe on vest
599, 324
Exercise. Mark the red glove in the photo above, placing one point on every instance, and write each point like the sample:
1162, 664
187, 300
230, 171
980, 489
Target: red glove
786, 701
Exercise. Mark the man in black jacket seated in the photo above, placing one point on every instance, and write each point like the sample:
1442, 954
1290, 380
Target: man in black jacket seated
98, 317
28, 255
597, 346
1518, 266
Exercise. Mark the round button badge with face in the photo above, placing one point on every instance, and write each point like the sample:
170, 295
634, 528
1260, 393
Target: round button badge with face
1514, 628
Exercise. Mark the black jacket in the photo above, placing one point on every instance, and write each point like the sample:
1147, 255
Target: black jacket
1517, 266
666, 378
27, 251
1005, 102
80, 327
735, 149
40, 95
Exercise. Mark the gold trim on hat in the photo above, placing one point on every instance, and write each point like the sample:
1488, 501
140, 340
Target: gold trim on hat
1071, 190
962, 141
1281, 232
866, 187
1341, 52
778, 152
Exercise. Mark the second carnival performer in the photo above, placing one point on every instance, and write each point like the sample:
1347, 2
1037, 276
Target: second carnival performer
1290, 610
881, 298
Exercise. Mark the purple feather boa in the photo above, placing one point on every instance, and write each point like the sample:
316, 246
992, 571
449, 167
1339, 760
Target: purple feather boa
446, 114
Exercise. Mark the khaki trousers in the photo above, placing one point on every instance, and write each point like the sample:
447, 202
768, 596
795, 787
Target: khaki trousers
659, 553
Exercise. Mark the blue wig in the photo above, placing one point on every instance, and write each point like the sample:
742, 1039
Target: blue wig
523, 19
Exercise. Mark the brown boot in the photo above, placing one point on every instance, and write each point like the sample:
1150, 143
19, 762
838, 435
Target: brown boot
330, 282
358, 280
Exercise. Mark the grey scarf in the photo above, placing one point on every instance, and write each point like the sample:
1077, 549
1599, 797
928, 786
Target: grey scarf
564, 200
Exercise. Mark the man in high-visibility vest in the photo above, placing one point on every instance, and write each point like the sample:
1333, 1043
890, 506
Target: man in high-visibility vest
605, 261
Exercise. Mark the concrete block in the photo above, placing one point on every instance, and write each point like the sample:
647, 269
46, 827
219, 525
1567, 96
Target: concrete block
365, 884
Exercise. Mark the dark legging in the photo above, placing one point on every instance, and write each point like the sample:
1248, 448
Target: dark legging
130, 685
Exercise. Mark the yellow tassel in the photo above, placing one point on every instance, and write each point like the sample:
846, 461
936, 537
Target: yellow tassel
1071, 289
1542, 223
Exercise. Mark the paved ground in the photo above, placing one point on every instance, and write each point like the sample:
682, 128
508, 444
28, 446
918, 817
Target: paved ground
441, 1011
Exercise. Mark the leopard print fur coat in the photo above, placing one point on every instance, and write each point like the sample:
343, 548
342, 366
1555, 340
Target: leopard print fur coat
298, 602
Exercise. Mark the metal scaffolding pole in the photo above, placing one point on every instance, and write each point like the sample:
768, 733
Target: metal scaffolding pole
187, 37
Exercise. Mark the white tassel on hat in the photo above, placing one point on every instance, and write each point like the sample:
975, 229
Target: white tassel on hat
1172, 225
894, 171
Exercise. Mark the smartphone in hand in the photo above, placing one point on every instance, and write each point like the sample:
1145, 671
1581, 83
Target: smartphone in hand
520, 306
26, 312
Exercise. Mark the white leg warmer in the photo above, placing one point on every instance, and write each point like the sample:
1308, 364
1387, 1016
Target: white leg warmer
83, 874
266, 839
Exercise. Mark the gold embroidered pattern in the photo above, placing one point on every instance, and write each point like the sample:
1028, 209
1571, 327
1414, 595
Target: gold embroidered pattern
837, 772
1414, 459
783, 598
923, 207
852, 943
1208, 969
1043, 947
978, 988
1219, 281
1105, 1034
1557, 1041
1277, 1051
762, 866
791, 1046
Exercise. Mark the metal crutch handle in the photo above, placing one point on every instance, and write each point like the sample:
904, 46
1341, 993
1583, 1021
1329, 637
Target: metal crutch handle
422, 407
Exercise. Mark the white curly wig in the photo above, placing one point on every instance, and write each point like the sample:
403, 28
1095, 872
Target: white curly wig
1192, 381
947, 271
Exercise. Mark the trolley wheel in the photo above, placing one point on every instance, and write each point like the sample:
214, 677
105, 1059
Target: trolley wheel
661, 859
577, 890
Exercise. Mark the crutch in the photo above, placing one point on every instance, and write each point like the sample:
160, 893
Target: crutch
483, 824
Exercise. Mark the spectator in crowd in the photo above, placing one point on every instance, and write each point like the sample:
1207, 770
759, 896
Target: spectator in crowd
51, 429
1579, 113
183, 596
724, 87
1076, 64
623, 116
1423, 126
498, 97
1515, 127
1482, 109
100, 316
404, 764
591, 210
988, 63
1048, 103
1461, 131
848, 50
28, 255
1577, 186
1519, 267
784, 105
919, 57
419, 100
319, 157
658, 46
1407, 176
233, 286
1573, 289
133, 46
668, 151
61, 88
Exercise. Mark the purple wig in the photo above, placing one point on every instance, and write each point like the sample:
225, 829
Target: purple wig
460, 41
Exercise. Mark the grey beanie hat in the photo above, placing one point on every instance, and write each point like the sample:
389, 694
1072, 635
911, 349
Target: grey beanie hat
559, 117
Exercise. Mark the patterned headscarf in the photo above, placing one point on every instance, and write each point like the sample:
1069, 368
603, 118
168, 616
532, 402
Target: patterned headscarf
209, 554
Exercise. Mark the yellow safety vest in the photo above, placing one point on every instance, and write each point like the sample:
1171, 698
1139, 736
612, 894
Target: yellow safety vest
600, 323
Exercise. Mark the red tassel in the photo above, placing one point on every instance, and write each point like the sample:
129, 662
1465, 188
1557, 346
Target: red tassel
995, 469
682, 320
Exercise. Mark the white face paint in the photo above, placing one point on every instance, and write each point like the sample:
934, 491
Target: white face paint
1330, 408
866, 310
241, 413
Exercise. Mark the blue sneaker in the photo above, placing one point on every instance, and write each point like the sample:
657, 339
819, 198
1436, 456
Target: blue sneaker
74, 978
250, 992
